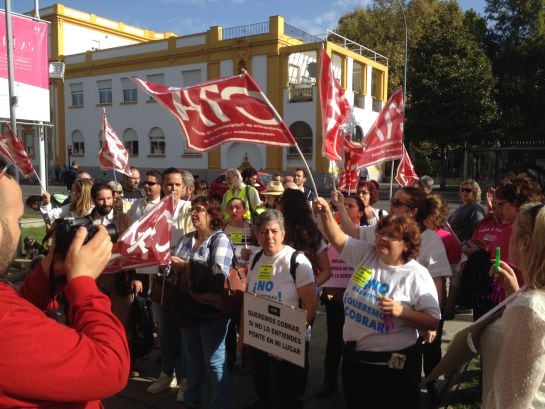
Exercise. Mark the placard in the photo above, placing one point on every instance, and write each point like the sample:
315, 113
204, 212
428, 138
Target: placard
275, 328
340, 271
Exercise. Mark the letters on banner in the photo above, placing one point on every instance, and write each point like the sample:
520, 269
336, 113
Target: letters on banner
225, 110
275, 328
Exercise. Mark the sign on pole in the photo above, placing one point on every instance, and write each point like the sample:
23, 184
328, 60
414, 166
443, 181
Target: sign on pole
275, 328
31, 68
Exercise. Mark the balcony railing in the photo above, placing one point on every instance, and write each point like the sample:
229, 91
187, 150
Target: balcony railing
245, 31
301, 94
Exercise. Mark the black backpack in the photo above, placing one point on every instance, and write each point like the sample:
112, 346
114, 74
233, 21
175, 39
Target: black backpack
140, 328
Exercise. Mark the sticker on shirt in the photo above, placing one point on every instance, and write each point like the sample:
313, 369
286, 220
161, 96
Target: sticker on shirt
361, 276
236, 237
265, 272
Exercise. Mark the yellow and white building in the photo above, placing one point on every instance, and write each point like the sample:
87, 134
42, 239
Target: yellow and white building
101, 55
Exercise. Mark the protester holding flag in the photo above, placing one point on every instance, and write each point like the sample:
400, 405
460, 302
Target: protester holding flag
205, 343
81, 203
389, 298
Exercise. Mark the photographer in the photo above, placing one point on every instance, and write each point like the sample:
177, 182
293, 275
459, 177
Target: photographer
45, 363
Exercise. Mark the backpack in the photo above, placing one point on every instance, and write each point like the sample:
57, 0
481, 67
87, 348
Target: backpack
140, 328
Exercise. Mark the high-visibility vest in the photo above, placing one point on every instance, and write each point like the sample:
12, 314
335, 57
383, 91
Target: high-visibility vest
242, 195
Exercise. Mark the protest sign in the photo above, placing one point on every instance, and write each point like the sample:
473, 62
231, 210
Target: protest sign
275, 328
340, 271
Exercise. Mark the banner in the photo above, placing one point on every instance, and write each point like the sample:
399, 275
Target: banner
30, 68
113, 154
147, 241
384, 141
340, 271
14, 151
225, 110
275, 328
335, 110
405, 174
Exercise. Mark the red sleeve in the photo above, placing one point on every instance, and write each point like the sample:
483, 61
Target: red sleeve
35, 289
47, 361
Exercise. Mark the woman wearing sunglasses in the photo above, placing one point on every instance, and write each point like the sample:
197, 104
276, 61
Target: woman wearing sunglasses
389, 297
465, 218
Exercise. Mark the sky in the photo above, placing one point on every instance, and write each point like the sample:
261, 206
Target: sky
194, 16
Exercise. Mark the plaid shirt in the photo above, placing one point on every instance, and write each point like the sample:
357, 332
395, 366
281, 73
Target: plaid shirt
216, 248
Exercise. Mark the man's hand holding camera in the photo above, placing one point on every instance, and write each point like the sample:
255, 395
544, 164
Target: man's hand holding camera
82, 259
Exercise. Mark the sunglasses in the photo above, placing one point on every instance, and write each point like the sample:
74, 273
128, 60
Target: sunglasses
147, 183
466, 190
398, 203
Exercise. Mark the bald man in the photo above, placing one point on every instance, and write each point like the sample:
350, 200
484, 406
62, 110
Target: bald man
46, 363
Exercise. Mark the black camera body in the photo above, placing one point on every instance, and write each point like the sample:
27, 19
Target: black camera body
66, 228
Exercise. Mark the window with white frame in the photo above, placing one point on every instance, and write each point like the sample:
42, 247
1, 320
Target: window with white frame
128, 88
191, 77
28, 142
302, 132
104, 92
78, 143
130, 140
156, 79
157, 141
76, 93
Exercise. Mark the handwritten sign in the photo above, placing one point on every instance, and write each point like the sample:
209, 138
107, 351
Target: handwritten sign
275, 328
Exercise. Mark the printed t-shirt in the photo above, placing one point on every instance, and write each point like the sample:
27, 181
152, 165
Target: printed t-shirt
271, 278
409, 284
432, 253
240, 237
488, 231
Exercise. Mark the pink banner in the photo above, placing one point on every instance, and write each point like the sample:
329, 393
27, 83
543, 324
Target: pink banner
340, 271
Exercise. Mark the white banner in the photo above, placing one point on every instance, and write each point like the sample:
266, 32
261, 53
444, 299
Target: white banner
275, 328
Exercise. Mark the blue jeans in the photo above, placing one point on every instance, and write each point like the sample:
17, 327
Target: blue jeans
205, 351
171, 344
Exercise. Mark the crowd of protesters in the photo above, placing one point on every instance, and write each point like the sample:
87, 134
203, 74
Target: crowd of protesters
387, 278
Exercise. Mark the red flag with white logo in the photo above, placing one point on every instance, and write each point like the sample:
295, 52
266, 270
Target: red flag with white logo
384, 141
225, 110
113, 154
147, 241
14, 151
348, 179
405, 174
335, 110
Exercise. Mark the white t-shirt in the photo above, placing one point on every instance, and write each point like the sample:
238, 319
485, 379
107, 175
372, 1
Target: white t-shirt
240, 237
409, 284
271, 276
432, 253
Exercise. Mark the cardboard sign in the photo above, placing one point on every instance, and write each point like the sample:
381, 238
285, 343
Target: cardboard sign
275, 328
340, 271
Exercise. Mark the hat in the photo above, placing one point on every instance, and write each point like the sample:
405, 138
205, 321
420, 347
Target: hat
274, 188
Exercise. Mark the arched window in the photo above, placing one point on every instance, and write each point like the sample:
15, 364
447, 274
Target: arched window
302, 132
130, 140
357, 136
157, 142
78, 143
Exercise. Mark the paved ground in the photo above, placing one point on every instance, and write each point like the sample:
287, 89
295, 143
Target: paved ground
135, 396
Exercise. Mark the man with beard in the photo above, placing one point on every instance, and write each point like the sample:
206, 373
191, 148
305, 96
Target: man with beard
45, 363
130, 189
119, 287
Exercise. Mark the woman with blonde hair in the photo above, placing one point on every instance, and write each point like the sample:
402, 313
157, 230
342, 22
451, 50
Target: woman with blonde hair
514, 358
81, 204
465, 218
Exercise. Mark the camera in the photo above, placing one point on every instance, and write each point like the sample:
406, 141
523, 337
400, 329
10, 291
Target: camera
64, 230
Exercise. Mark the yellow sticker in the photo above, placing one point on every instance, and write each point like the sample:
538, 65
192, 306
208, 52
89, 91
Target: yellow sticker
265, 272
361, 276
236, 237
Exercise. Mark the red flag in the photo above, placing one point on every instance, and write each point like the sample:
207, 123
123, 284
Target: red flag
14, 151
348, 179
406, 175
147, 241
224, 110
113, 154
335, 110
384, 141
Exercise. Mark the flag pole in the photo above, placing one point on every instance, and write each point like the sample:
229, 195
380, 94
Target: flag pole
392, 179
279, 119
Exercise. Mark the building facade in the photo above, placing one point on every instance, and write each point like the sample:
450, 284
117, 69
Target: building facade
282, 59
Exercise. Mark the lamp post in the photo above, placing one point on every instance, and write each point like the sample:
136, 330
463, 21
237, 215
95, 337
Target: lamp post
402, 7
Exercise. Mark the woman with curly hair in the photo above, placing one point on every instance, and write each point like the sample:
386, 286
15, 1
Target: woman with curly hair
389, 298
368, 192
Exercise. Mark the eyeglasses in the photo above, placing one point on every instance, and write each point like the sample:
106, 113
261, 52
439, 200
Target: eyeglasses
388, 236
197, 209
397, 203
148, 183
466, 190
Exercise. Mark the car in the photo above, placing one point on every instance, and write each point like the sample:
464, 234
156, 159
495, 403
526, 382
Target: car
218, 186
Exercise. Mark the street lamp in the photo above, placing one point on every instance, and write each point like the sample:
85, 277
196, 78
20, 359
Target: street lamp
402, 7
